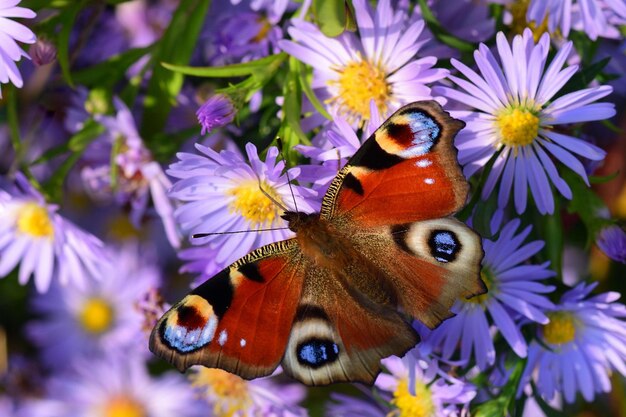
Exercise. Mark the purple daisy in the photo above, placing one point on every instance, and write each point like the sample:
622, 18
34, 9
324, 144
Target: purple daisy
122, 386
43, 243
220, 192
12, 32
380, 64
139, 178
515, 112
347, 406
580, 346
101, 318
420, 388
232, 396
612, 241
597, 18
217, 111
515, 291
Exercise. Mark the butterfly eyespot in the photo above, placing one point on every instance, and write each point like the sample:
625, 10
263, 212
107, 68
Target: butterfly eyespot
315, 353
190, 326
444, 245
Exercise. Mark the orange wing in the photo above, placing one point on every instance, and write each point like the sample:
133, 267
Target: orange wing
240, 319
405, 172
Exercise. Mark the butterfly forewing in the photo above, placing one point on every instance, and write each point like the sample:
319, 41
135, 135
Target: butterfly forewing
240, 319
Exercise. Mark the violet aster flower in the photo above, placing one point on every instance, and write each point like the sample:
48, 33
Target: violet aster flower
12, 32
379, 65
612, 241
220, 193
347, 406
595, 17
232, 396
419, 388
102, 318
139, 178
217, 111
44, 244
122, 386
515, 291
580, 346
516, 112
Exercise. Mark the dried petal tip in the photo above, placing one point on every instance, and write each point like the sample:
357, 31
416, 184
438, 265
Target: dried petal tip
216, 112
612, 241
43, 52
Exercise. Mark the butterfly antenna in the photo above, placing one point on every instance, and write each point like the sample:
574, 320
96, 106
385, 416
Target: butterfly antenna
266, 194
279, 142
201, 235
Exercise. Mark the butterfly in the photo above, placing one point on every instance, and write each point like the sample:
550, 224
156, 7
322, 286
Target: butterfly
337, 298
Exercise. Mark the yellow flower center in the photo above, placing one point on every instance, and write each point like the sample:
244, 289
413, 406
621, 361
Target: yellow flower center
228, 392
488, 279
360, 82
96, 315
253, 205
561, 328
34, 220
518, 126
122, 229
410, 405
518, 10
123, 406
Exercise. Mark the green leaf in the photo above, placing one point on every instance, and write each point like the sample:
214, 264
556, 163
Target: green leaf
594, 179
109, 72
77, 144
441, 33
257, 67
308, 91
67, 19
176, 47
586, 204
330, 16
552, 231
501, 405
291, 131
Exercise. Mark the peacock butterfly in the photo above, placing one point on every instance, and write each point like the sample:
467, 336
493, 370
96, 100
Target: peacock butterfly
337, 298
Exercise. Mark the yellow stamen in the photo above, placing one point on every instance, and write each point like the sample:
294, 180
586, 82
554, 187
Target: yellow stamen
409, 405
518, 126
263, 31
123, 406
120, 228
253, 205
518, 10
228, 392
360, 82
34, 220
96, 315
561, 328
488, 279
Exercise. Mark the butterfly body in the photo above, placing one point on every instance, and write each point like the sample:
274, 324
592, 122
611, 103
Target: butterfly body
339, 296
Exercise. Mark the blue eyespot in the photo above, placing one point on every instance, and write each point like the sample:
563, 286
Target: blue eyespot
425, 134
317, 352
444, 245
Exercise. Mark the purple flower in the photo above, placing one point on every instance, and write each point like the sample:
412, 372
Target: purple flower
220, 192
232, 396
580, 346
122, 386
43, 52
101, 318
595, 17
379, 65
42, 242
346, 406
139, 178
12, 32
515, 112
515, 291
612, 241
469, 20
216, 112
420, 388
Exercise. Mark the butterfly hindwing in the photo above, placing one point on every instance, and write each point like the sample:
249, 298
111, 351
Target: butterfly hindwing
405, 172
240, 319
341, 335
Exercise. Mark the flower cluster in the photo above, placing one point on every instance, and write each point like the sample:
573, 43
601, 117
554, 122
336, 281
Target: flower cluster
147, 145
